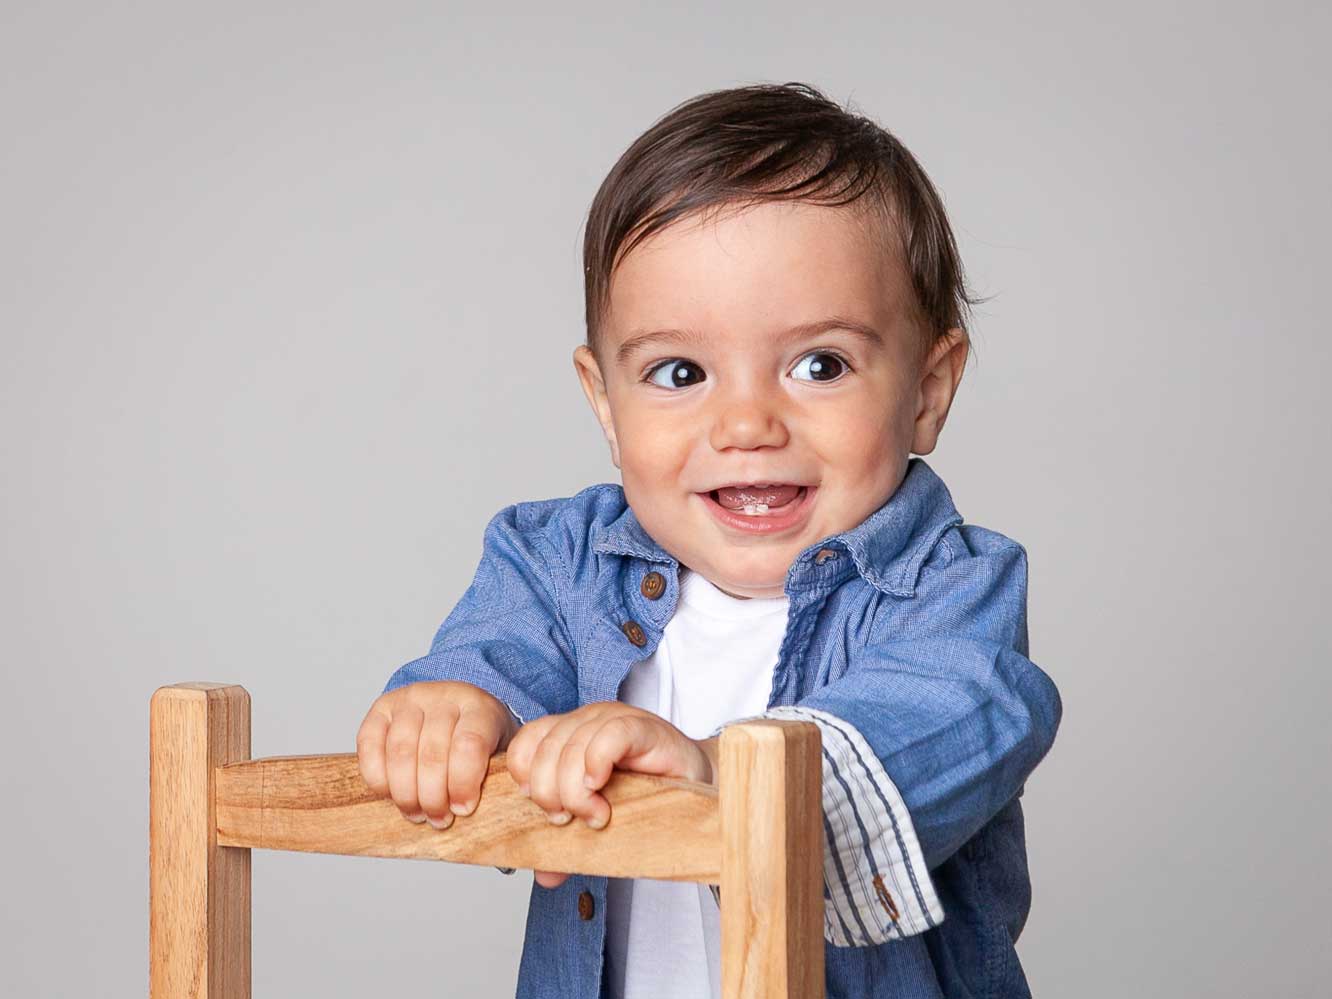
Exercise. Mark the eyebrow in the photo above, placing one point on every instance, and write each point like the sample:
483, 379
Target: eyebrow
641, 339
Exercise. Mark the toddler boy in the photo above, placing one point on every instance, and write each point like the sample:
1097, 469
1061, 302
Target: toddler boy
775, 324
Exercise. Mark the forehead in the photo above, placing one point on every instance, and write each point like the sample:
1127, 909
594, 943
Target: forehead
749, 271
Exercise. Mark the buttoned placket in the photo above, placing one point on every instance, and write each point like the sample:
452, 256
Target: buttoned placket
648, 614
640, 621
815, 574
812, 577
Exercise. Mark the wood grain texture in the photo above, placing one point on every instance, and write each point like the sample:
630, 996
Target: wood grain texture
660, 828
759, 835
199, 891
772, 861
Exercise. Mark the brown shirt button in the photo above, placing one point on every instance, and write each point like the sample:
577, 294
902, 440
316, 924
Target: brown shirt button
634, 632
653, 585
823, 554
585, 905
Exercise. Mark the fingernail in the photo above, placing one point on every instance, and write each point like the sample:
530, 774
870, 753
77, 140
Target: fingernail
447, 821
597, 822
461, 808
525, 790
418, 818
589, 781
560, 818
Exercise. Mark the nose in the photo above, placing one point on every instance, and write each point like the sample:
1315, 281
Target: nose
747, 422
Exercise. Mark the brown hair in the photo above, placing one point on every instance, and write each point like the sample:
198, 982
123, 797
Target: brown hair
768, 142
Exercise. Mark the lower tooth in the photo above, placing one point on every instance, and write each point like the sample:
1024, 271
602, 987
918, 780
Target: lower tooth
755, 509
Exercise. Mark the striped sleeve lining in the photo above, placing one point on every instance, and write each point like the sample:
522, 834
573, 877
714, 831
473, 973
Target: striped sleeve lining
876, 887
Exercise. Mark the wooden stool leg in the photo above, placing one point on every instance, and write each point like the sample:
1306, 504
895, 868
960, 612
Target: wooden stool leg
772, 860
198, 892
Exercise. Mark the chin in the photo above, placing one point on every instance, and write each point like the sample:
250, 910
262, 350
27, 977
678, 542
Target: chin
777, 590
751, 580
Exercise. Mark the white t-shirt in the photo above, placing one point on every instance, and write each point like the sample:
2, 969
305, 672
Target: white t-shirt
714, 664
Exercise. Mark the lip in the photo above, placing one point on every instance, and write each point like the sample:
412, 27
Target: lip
791, 516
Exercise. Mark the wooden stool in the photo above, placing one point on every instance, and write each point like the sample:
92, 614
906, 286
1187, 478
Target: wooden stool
758, 834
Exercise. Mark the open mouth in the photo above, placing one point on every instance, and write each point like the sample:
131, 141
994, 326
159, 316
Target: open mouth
760, 507
756, 499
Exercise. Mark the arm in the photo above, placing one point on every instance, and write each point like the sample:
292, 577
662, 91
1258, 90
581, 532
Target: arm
506, 635
934, 727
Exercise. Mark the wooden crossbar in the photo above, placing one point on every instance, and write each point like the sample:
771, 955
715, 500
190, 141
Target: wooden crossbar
758, 834
665, 829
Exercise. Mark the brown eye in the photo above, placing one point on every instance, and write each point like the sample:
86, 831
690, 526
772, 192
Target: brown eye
676, 374
819, 367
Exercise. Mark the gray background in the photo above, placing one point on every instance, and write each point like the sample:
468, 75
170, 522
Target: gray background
289, 299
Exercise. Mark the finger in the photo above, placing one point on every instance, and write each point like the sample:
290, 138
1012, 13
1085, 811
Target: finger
370, 748
400, 744
433, 759
549, 879
637, 742
545, 777
474, 740
523, 745
575, 795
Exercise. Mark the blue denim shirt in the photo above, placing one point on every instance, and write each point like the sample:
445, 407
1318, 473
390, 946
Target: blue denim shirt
910, 628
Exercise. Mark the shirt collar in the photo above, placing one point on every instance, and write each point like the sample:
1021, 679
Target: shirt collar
888, 547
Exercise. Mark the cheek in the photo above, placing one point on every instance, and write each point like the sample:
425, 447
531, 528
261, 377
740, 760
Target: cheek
654, 445
856, 437
862, 447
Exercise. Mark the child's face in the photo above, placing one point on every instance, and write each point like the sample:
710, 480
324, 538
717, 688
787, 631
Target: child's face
737, 394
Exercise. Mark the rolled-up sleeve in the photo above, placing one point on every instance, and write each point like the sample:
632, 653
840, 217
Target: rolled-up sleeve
932, 729
876, 886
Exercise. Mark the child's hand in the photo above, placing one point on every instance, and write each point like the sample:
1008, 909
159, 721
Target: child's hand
428, 745
561, 761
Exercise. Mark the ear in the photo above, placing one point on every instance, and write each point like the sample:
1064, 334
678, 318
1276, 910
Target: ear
594, 387
941, 372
